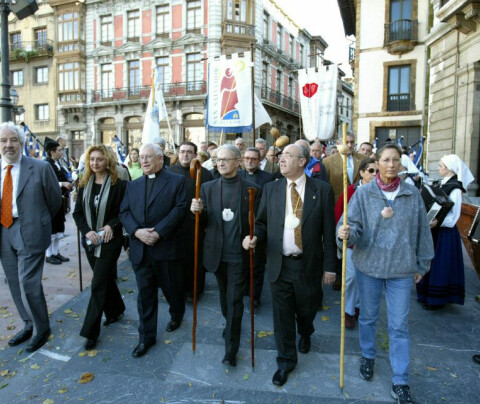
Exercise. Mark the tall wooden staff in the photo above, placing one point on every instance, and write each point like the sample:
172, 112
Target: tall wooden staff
195, 165
251, 221
343, 149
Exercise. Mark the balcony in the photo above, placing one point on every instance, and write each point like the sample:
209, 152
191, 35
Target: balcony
237, 34
280, 100
399, 102
181, 89
462, 15
401, 36
71, 46
31, 49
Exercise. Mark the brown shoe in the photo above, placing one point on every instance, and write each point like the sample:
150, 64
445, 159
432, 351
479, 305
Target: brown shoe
349, 321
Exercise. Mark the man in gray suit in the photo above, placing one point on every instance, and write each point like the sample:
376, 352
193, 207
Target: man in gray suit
30, 198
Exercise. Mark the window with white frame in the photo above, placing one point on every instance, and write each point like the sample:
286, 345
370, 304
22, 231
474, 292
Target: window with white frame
194, 71
265, 74
163, 20
266, 26
278, 86
279, 36
106, 28
42, 112
68, 76
107, 80
134, 77
194, 15
17, 77
133, 24
291, 47
41, 74
162, 64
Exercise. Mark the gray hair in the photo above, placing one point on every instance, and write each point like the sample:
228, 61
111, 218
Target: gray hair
305, 153
349, 134
239, 139
262, 141
159, 141
11, 127
255, 150
303, 143
155, 147
232, 148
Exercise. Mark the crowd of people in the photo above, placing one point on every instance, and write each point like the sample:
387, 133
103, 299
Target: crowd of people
148, 207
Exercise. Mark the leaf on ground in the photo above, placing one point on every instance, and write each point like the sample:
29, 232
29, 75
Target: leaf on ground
10, 327
263, 334
86, 378
82, 354
35, 366
68, 311
48, 401
454, 375
123, 278
3, 385
63, 390
51, 336
92, 352
168, 341
190, 384
20, 351
325, 318
4, 372
59, 321
246, 376
131, 291
325, 308
23, 360
431, 368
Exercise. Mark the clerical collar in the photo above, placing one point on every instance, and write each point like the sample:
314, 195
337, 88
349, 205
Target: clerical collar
154, 175
255, 172
230, 180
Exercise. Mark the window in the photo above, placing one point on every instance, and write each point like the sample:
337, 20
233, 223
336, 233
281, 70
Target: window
401, 27
41, 75
41, 112
302, 55
68, 32
279, 36
15, 40
399, 88
194, 15
163, 20
194, 72
400, 10
238, 10
133, 25
290, 47
278, 86
68, 76
162, 64
41, 37
107, 80
106, 29
133, 77
266, 26
17, 77
290, 87
265, 74
18, 118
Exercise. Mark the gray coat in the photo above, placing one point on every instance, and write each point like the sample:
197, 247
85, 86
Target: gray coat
397, 247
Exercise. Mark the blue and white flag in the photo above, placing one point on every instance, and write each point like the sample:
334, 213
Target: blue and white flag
120, 149
156, 110
37, 149
400, 141
419, 153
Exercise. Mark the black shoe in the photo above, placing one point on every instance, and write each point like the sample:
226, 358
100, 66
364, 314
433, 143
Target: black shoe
280, 377
39, 341
337, 285
112, 320
401, 393
230, 359
367, 367
53, 260
431, 307
304, 344
173, 325
20, 337
90, 344
62, 258
476, 359
141, 349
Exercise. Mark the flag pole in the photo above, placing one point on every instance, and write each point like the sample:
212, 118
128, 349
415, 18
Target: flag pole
343, 149
253, 92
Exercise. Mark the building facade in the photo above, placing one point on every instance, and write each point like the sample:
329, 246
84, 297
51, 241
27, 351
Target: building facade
390, 61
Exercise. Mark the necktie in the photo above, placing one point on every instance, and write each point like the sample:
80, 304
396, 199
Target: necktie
7, 215
297, 206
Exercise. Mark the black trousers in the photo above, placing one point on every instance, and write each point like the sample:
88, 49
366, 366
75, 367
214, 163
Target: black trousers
149, 275
105, 296
295, 303
232, 281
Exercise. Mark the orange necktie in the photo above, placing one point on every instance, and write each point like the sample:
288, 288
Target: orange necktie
297, 206
7, 214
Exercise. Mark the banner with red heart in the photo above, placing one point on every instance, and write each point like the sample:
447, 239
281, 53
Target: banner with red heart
310, 89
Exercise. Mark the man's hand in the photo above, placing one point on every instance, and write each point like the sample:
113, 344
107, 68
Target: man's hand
417, 277
344, 232
93, 237
147, 236
433, 223
328, 278
197, 205
67, 185
248, 242
107, 233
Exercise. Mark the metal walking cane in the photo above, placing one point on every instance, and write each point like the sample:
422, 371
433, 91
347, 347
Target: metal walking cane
343, 149
251, 221
195, 165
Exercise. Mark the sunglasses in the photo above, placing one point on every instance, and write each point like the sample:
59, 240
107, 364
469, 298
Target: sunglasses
372, 170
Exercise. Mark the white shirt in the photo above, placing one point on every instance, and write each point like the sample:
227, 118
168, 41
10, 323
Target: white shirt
289, 247
263, 163
15, 171
452, 217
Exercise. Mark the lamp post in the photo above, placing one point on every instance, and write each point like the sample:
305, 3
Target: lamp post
5, 103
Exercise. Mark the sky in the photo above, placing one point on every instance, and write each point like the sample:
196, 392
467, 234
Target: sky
321, 17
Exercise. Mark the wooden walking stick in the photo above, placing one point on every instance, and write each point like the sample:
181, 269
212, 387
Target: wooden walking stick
79, 261
343, 149
195, 165
251, 222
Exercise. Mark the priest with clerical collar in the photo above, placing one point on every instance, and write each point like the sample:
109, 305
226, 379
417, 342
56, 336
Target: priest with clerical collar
224, 207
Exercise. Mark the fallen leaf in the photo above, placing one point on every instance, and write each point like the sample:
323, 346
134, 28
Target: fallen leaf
48, 401
263, 334
123, 279
63, 390
67, 311
325, 318
190, 384
168, 341
92, 352
246, 376
10, 327
82, 354
4, 373
431, 368
86, 378
20, 351
35, 366
453, 375
3, 385
51, 336
325, 308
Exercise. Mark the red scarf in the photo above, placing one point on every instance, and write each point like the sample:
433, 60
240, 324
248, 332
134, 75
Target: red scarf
390, 187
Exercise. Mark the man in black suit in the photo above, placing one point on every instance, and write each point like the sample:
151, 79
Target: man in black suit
296, 218
152, 212
187, 152
252, 173
224, 205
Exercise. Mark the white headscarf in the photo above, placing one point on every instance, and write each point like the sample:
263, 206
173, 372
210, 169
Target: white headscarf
455, 164
409, 165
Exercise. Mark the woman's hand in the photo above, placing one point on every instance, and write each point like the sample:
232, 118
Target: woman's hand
93, 237
344, 232
417, 277
433, 223
107, 233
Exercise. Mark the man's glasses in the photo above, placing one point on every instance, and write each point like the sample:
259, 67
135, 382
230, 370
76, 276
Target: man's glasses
220, 161
185, 152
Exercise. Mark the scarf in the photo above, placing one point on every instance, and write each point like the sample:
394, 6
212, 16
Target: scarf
102, 206
390, 187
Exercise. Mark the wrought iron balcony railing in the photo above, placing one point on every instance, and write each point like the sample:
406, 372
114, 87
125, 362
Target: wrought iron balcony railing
29, 49
279, 99
236, 28
399, 102
143, 92
401, 30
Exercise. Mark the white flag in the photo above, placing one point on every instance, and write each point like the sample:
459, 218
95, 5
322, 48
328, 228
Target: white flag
261, 114
156, 111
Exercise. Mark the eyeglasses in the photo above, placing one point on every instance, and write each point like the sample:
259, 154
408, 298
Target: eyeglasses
288, 156
220, 161
251, 158
372, 170
185, 152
